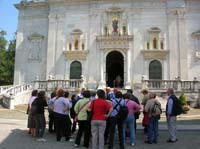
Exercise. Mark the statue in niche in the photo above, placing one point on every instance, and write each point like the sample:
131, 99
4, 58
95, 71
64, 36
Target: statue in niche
115, 25
76, 45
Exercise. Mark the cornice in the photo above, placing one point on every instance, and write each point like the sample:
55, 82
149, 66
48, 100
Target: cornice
24, 5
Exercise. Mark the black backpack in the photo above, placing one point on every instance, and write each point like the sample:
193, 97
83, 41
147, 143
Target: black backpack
122, 112
177, 107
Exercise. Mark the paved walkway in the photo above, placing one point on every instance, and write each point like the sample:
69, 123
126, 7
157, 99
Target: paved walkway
13, 134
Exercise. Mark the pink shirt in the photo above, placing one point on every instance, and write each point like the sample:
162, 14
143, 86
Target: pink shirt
132, 106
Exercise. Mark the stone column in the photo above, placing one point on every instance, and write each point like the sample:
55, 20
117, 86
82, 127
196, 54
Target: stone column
181, 44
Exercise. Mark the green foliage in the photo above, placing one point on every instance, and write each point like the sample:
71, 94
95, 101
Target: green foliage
7, 59
183, 99
3, 41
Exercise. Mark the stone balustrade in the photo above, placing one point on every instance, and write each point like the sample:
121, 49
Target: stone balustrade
50, 85
177, 85
3, 88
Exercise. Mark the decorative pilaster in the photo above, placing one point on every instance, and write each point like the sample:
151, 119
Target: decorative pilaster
128, 71
53, 32
102, 83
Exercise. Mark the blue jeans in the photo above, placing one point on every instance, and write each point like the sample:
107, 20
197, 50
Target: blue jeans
153, 129
130, 122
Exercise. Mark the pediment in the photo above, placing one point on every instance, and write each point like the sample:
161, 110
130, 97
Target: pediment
196, 34
114, 9
35, 36
154, 30
76, 32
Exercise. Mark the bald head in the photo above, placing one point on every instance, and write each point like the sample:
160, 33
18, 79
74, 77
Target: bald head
170, 91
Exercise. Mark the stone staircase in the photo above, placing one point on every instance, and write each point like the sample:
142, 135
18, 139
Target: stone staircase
15, 95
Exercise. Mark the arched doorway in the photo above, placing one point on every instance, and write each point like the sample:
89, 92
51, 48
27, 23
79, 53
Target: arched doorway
115, 69
155, 70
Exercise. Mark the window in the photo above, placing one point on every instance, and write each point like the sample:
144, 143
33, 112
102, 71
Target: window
105, 30
83, 46
70, 46
155, 70
76, 45
162, 45
75, 70
148, 45
124, 30
155, 43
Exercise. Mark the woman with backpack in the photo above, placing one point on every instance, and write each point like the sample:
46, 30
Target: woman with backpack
153, 107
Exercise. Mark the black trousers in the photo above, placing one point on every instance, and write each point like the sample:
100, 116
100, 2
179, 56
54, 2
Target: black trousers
113, 123
84, 127
63, 126
51, 122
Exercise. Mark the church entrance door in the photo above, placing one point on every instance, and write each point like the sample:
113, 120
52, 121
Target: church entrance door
115, 69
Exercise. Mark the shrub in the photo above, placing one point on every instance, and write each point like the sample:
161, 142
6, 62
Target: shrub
183, 99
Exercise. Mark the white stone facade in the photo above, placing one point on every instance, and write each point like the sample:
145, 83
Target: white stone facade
52, 34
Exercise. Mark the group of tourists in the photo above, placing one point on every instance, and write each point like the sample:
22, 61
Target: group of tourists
97, 113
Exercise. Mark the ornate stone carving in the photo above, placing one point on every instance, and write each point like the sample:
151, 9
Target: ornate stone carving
116, 42
35, 47
157, 54
75, 55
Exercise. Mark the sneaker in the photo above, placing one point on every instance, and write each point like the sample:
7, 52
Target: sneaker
147, 142
132, 144
75, 145
171, 141
39, 139
43, 140
71, 140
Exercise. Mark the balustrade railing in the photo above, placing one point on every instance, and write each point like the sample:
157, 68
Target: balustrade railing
178, 85
3, 88
52, 84
14, 90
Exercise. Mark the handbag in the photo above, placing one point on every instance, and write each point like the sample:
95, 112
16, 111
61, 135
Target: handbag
81, 108
90, 113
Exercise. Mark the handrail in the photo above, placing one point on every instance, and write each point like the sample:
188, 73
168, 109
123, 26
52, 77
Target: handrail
3, 88
14, 90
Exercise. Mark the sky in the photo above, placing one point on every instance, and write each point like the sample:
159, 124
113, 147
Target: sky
8, 17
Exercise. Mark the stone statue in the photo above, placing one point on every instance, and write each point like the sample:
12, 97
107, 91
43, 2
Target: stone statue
115, 25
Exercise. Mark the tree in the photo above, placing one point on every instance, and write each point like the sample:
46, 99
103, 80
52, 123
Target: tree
7, 58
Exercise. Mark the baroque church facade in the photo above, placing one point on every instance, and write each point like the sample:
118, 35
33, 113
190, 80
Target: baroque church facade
108, 42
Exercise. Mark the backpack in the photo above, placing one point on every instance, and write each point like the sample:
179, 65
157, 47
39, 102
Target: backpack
177, 107
156, 110
122, 112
